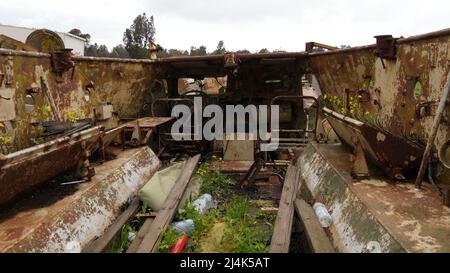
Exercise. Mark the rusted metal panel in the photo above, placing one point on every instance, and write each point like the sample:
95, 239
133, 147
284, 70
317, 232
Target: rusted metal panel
24, 170
150, 122
353, 226
52, 218
392, 94
399, 217
395, 155
123, 83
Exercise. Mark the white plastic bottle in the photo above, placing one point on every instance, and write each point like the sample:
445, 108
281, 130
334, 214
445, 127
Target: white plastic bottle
204, 203
323, 215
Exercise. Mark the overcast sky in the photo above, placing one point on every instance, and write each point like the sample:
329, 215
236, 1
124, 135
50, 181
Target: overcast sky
252, 24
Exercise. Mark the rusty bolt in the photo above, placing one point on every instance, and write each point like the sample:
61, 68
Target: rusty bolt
412, 121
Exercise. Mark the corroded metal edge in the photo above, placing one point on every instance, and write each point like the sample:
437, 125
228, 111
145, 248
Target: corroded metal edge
90, 213
354, 226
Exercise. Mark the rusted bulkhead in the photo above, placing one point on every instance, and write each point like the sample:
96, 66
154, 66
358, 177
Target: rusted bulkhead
40, 87
380, 146
397, 86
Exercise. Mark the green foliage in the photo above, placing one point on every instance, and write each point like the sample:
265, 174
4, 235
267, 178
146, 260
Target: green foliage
354, 108
78, 33
5, 139
241, 217
120, 243
418, 90
236, 210
119, 51
200, 51
243, 51
137, 38
243, 234
144, 207
220, 48
96, 50
214, 183
170, 236
171, 53
247, 239
93, 50
203, 224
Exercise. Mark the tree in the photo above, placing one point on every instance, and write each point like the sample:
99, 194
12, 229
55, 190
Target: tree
137, 38
77, 32
201, 51
102, 51
264, 50
243, 51
172, 53
119, 51
91, 50
220, 48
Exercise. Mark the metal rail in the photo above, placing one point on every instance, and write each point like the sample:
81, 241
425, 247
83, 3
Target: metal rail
290, 98
436, 123
168, 100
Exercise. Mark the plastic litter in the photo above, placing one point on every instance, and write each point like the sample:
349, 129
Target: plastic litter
323, 215
186, 226
204, 203
178, 246
131, 236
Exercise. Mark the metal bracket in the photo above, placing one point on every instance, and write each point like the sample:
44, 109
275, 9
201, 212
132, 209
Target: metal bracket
62, 62
360, 170
386, 48
290, 98
8, 76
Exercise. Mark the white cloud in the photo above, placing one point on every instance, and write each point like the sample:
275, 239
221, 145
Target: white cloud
252, 24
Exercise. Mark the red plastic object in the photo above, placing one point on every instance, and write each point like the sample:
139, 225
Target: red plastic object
178, 246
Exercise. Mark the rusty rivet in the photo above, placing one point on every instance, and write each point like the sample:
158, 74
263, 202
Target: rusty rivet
412, 121
403, 103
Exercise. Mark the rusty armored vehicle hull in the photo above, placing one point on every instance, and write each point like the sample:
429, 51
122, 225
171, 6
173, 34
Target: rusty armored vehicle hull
81, 136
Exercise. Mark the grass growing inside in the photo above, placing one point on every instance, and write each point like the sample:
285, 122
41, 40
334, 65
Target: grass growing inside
120, 243
236, 226
215, 183
203, 224
244, 234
